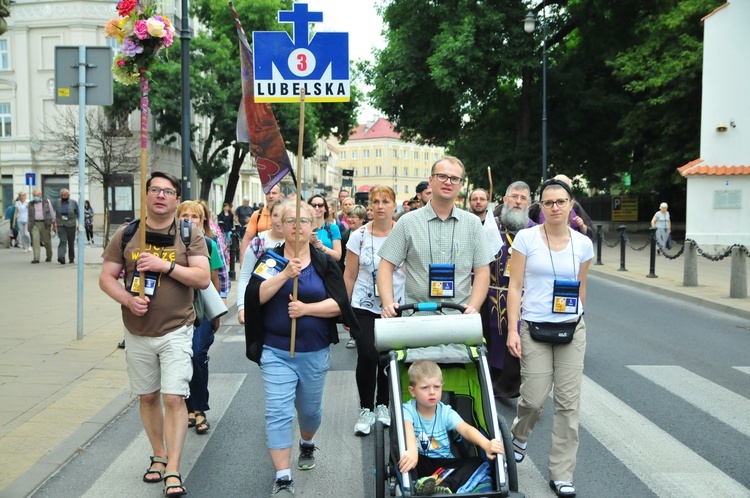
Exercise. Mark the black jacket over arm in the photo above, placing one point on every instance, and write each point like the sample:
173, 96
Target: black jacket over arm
333, 281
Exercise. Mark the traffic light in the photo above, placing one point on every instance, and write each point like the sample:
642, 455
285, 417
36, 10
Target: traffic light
4, 12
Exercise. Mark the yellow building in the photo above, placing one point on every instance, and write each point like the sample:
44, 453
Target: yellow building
379, 156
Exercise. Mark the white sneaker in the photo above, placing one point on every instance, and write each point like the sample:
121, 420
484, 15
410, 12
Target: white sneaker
365, 421
351, 344
383, 415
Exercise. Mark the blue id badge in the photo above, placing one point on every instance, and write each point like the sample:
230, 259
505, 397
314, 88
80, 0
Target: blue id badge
442, 280
269, 265
375, 282
565, 296
152, 279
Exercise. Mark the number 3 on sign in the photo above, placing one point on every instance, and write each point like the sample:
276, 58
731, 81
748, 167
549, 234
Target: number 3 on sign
301, 62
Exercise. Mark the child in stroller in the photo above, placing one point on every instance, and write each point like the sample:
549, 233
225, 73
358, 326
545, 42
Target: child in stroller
427, 422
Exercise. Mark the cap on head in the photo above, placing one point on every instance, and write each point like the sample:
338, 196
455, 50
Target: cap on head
422, 186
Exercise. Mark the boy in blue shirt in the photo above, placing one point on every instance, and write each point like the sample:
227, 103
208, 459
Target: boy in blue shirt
427, 421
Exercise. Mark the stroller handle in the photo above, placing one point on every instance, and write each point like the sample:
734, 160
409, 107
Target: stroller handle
429, 307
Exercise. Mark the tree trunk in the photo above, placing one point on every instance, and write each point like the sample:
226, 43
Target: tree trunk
105, 236
205, 188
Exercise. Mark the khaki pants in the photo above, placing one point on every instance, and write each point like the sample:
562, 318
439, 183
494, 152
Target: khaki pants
542, 366
40, 233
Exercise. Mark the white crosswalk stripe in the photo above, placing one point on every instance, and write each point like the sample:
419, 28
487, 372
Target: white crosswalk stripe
133, 460
659, 460
743, 369
701, 393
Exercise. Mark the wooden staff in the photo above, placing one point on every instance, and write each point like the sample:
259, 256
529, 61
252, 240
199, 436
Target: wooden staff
295, 284
489, 175
144, 161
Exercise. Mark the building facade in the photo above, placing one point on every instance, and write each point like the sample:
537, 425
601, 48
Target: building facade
379, 156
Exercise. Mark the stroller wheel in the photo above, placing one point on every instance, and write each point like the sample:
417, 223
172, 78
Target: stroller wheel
380, 474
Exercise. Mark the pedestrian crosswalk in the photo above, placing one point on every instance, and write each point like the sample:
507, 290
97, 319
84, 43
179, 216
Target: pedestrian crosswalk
642, 447
666, 466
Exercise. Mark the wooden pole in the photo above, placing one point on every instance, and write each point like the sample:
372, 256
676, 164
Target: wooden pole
295, 284
489, 175
144, 162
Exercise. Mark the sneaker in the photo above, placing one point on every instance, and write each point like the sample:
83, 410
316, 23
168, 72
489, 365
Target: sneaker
442, 490
282, 487
365, 421
351, 344
383, 415
306, 460
425, 486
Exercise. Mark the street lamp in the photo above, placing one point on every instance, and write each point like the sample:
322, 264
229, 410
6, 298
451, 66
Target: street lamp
529, 24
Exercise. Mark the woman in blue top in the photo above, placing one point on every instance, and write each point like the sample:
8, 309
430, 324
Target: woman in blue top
295, 382
326, 236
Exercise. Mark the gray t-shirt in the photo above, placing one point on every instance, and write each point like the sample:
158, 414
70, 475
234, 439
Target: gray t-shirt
421, 238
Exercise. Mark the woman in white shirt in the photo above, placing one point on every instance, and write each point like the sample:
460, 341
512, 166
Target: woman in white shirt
362, 262
263, 241
663, 225
549, 265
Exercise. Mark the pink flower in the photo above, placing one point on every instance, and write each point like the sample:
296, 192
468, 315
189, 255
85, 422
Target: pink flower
141, 29
120, 62
168, 37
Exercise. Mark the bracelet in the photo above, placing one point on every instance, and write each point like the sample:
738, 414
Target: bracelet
171, 269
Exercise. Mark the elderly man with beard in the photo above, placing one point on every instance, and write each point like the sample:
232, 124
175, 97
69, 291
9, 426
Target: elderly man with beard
505, 369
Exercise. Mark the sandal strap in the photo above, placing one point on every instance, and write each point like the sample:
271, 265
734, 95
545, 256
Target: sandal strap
158, 459
172, 474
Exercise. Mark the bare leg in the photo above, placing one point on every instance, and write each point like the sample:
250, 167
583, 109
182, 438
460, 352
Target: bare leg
307, 435
282, 459
153, 423
175, 430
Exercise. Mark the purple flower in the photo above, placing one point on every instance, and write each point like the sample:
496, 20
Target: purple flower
141, 29
131, 47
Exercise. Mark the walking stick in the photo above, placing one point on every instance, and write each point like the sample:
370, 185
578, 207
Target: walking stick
295, 284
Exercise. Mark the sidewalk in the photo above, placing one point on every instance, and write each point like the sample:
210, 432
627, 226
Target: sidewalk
57, 392
713, 276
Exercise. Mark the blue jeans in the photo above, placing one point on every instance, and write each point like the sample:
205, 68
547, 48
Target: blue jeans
293, 382
203, 337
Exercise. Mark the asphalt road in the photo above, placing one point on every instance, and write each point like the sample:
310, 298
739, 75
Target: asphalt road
664, 412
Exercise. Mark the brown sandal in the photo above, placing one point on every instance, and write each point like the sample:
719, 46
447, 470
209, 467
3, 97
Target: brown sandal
155, 459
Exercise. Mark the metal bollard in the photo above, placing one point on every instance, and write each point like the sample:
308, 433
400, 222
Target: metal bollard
599, 238
232, 255
652, 258
623, 241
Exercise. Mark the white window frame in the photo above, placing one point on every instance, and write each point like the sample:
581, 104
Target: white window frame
4, 54
378, 152
6, 117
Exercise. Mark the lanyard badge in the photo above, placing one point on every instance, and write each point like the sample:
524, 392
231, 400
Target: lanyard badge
269, 265
442, 280
152, 280
565, 295
375, 282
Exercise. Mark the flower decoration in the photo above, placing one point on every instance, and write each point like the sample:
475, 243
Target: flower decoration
142, 32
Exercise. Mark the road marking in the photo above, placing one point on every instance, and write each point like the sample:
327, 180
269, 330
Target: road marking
133, 461
701, 393
743, 369
666, 466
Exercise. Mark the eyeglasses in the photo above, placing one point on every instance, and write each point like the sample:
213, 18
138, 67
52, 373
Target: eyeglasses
168, 192
317, 205
518, 197
561, 203
443, 178
292, 221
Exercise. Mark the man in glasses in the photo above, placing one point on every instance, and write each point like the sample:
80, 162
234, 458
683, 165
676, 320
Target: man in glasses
579, 219
260, 221
159, 327
441, 245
